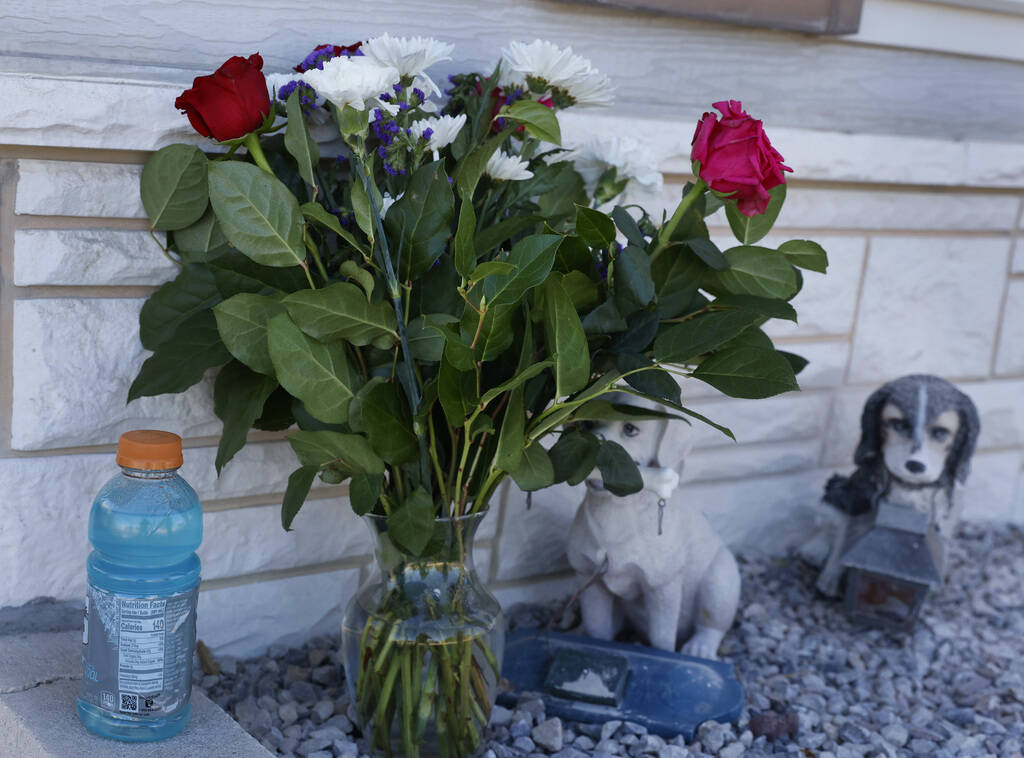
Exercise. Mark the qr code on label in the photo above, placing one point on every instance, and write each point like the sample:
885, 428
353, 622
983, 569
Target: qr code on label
129, 703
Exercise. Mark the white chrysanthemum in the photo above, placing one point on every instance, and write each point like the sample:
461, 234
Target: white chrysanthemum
410, 56
351, 81
505, 167
444, 129
558, 68
632, 160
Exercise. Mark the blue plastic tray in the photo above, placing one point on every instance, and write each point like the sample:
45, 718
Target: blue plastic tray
669, 693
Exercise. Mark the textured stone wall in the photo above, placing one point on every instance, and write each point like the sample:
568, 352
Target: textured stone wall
927, 274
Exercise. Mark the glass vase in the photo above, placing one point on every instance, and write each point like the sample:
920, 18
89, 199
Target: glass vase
422, 641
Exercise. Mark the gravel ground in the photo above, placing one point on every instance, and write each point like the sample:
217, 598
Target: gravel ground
816, 685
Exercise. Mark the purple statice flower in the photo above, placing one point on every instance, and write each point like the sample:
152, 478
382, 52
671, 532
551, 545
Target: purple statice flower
307, 95
428, 133
322, 53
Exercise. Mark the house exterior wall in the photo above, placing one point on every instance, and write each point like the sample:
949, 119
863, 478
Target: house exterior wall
909, 168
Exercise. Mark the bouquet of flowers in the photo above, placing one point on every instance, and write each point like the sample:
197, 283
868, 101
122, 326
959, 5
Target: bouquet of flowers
437, 290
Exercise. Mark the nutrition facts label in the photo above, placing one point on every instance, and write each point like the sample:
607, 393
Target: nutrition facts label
141, 645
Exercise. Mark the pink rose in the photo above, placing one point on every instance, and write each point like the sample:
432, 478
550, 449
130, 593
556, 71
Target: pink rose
736, 157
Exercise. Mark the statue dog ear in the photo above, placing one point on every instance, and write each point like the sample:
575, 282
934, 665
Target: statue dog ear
677, 437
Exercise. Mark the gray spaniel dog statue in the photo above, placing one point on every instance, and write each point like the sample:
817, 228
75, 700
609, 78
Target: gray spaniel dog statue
918, 433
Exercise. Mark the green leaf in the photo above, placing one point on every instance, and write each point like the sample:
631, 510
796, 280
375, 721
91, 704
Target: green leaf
677, 274
533, 258
619, 471
471, 168
747, 372
583, 293
419, 223
191, 292
299, 483
566, 338
349, 451
574, 456
174, 189
181, 361
758, 271
511, 435
655, 382
363, 278
463, 244
364, 492
242, 323
490, 268
456, 391
297, 141
317, 374
594, 227
575, 255
796, 362
604, 319
238, 398
388, 425
519, 378
234, 272
629, 227
496, 333
488, 239
456, 350
258, 213
362, 209
202, 241
634, 287
411, 525
535, 471
701, 334
277, 412
317, 214
539, 120
750, 229
426, 342
805, 254
708, 252
603, 410
765, 306
341, 311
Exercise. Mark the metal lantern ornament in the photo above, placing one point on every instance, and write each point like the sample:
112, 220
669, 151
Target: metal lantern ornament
894, 513
891, 568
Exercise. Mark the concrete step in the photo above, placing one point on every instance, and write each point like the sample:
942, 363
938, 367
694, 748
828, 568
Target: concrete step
39, 676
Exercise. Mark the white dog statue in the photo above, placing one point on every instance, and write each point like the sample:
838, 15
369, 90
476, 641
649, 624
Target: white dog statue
662, 569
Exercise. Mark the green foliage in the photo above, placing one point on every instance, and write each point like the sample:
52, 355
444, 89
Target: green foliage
424, 354
302, 147
539, 120
751, 229
257, 213
173, 187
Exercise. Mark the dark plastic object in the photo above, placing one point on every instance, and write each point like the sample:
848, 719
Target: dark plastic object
669, 693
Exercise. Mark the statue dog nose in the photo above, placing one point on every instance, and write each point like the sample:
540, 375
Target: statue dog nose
914, 467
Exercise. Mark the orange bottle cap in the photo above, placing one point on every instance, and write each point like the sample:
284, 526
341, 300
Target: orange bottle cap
149, 449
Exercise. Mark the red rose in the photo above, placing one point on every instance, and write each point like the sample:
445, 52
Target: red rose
230, 102
736, 157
